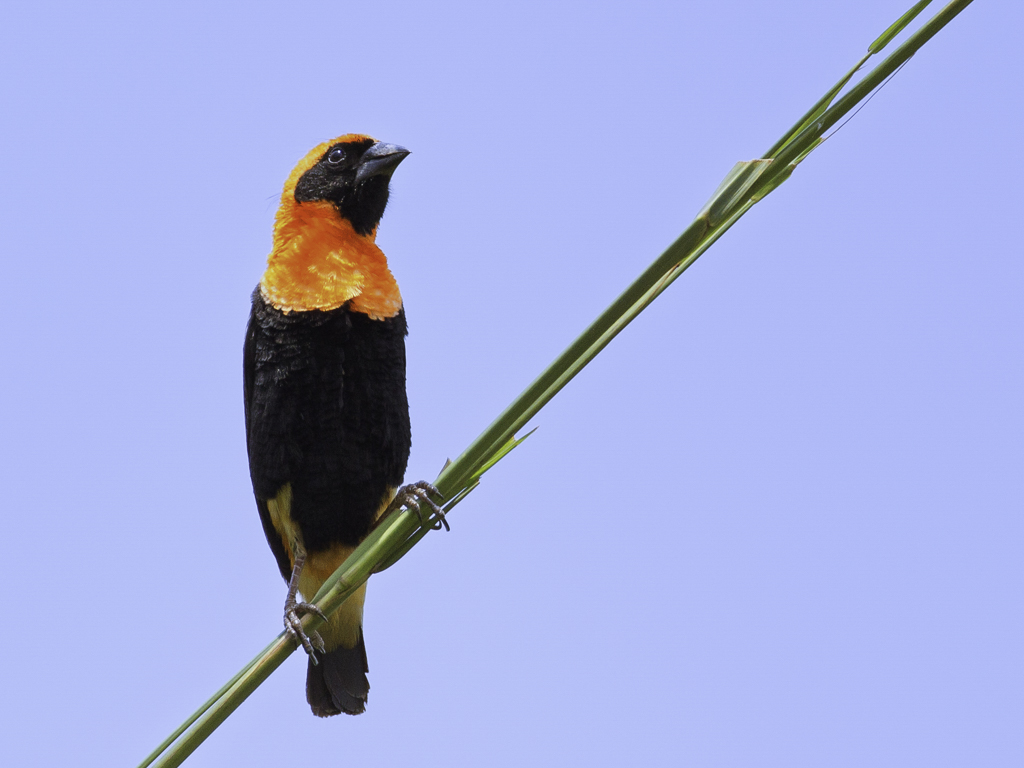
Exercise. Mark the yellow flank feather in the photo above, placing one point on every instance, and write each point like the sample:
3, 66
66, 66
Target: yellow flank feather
342, 628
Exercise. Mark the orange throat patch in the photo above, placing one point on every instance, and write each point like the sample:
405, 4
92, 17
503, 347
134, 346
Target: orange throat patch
320, 262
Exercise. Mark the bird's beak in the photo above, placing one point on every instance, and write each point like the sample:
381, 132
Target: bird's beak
379, 160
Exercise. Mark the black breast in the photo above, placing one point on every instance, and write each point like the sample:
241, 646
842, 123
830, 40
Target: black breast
326, 411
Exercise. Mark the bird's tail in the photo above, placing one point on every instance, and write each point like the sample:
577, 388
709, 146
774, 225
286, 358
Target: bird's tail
337, 683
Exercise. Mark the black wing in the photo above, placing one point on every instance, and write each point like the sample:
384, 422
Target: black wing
249, 352
327, 414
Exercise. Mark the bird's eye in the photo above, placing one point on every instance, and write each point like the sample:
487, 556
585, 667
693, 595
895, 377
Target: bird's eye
335, 156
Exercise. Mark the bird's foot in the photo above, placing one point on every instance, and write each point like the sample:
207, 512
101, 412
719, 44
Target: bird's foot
293, 614
413, 496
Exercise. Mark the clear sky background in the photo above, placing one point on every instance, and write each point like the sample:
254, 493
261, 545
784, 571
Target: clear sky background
776, 523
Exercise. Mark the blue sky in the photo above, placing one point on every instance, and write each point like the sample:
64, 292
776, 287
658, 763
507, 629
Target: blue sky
776, 522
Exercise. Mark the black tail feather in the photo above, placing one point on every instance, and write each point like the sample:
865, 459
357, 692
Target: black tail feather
338, 682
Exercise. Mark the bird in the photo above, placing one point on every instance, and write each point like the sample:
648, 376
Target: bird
326, 411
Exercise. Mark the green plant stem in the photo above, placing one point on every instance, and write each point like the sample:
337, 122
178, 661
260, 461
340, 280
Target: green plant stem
746, 185
863, 88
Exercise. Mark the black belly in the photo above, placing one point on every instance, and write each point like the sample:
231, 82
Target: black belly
326, 411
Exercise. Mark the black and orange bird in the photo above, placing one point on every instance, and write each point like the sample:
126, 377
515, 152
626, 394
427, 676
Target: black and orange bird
326, 414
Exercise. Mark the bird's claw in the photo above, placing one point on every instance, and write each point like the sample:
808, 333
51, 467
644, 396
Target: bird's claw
293, 626
413, 495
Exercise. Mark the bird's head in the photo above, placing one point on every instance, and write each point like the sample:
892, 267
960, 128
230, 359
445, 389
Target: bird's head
352, 173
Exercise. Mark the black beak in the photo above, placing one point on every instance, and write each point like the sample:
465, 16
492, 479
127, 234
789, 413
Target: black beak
379, 160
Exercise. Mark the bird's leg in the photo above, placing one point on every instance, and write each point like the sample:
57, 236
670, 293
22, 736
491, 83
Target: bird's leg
414, 494
294, 610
